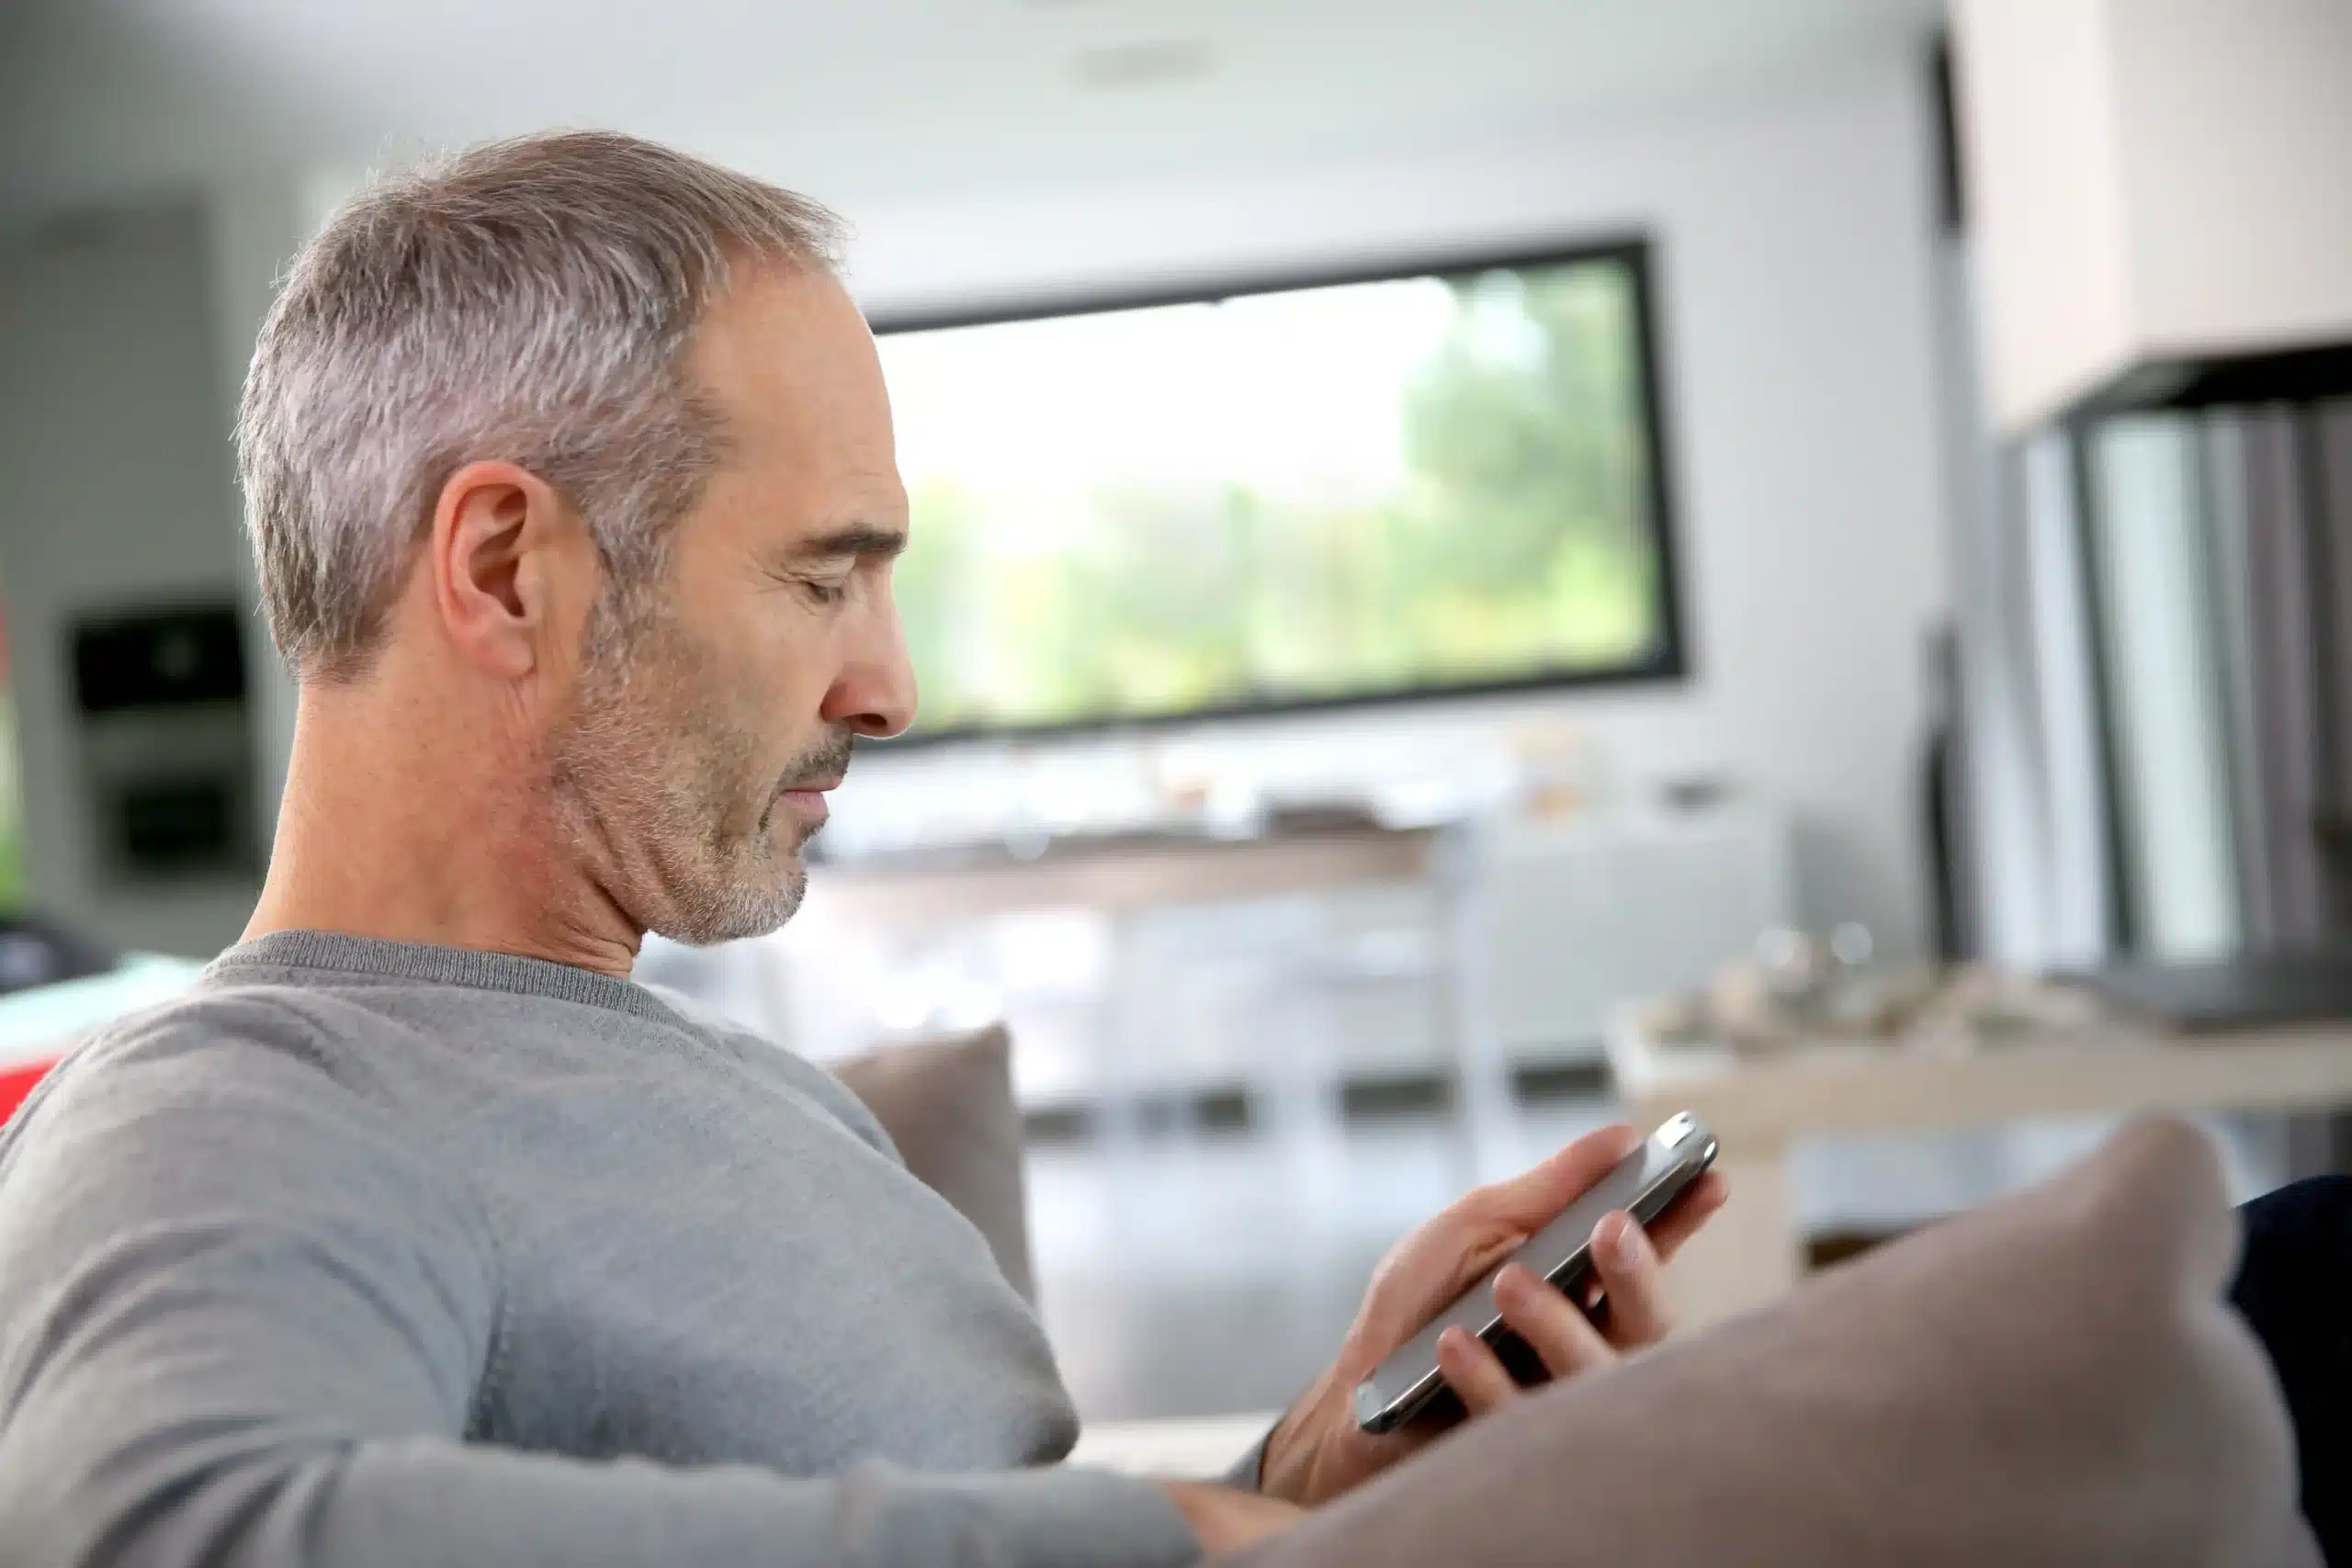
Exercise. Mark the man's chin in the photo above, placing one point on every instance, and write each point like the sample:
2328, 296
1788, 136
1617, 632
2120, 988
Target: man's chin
741, 911
792, 841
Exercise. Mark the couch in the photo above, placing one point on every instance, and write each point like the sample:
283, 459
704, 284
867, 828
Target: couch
2051, 1379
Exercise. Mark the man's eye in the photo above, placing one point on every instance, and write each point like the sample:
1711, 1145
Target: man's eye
826, 592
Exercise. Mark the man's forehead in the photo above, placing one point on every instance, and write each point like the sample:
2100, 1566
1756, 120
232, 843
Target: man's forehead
787, 346
787, 362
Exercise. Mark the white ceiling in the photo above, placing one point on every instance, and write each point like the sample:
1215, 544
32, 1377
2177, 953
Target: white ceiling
855, 99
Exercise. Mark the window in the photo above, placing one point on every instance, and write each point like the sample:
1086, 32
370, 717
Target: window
1285, 496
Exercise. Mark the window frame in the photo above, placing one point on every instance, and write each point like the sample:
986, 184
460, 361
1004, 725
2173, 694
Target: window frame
1669, 665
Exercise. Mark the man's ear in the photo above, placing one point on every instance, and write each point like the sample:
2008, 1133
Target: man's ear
513, 567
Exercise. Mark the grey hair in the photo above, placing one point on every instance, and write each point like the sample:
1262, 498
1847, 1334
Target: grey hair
530, 300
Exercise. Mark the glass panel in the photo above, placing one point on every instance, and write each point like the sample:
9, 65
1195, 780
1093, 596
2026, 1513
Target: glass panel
2156, 565
1315, 493
2066, 695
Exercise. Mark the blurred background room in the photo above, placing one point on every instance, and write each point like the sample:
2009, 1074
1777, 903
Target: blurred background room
1480, 567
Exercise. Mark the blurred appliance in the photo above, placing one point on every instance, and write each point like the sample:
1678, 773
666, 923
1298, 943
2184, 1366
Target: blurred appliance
167, 743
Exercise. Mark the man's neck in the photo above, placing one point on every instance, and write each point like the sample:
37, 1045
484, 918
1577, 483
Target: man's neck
393, 826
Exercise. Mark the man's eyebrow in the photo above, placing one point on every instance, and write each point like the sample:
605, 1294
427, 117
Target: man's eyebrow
866, 541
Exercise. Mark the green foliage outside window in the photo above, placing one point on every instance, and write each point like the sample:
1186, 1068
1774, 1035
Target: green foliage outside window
1498, 529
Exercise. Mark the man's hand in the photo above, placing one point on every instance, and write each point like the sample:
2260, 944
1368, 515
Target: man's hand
1227, 1520
1318, 1451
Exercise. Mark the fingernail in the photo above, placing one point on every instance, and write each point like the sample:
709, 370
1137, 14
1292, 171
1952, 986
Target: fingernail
1512, 1281
1626, 1245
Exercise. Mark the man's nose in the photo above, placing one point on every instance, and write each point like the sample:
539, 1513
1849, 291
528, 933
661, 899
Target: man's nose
873, 695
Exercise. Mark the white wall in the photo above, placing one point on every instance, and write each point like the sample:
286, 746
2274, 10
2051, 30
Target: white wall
114, 489
1795, 269
1794, 266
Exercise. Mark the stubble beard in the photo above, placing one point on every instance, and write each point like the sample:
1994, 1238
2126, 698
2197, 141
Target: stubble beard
663, 789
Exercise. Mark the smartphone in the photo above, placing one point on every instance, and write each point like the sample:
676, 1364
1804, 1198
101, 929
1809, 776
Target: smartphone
1406, 1386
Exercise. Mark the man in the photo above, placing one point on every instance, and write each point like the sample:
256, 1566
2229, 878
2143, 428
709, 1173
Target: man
418, 1233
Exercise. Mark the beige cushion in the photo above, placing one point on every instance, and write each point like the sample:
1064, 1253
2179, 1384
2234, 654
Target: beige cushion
2049, 1380
947, 1103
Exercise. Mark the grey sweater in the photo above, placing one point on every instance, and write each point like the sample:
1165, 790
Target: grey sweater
365, 1253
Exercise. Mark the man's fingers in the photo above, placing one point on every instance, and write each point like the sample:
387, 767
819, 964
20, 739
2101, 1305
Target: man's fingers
1631, 1274
1554, 1327
1470, 1370
1529, 1199
1683, 1217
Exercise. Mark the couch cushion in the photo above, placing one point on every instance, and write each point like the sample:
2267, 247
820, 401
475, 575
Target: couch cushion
947, 1103
2052, 1379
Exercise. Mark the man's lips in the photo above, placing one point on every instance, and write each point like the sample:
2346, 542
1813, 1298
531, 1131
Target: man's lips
809, 799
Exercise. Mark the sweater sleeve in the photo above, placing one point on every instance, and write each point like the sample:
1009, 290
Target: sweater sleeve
242, 1326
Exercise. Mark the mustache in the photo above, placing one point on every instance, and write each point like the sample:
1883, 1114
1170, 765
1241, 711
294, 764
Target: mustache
822, 764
